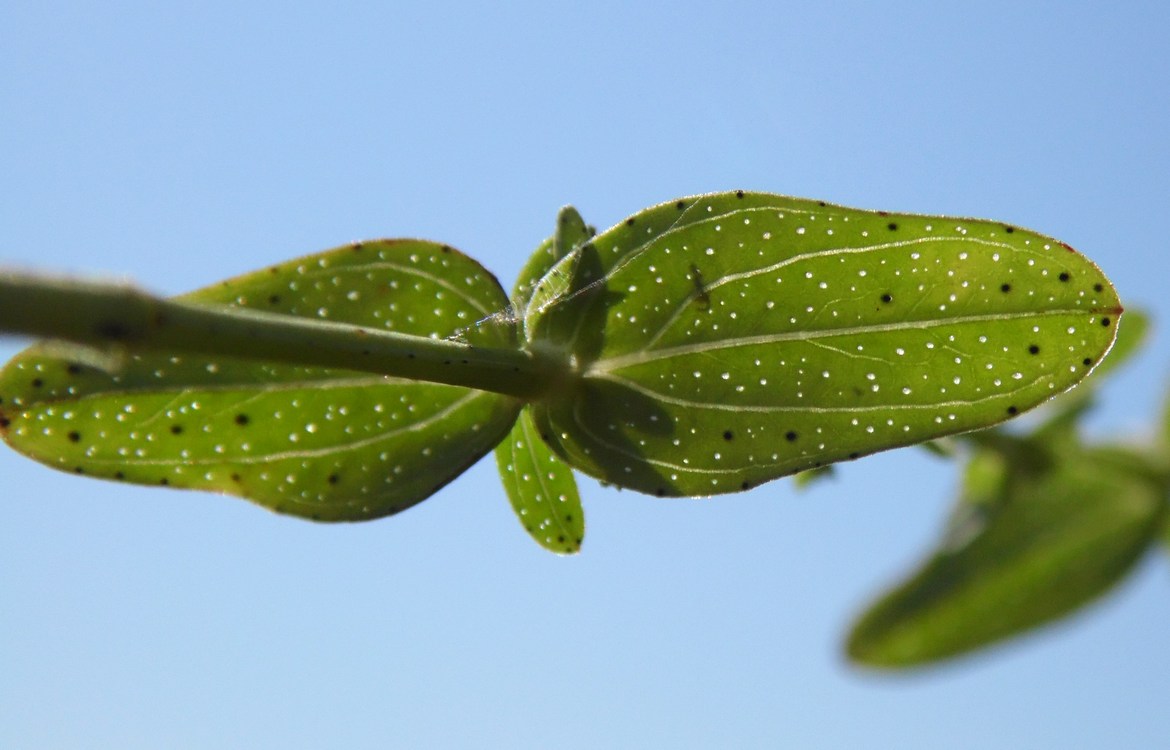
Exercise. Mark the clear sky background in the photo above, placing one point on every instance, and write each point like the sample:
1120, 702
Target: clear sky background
177, 144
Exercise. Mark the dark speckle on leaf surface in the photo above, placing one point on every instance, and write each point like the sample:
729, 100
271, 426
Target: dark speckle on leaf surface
774, 338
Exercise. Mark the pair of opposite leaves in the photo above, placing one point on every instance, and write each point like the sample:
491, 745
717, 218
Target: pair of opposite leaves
706, 345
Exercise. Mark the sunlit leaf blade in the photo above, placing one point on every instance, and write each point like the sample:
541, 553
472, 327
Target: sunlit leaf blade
1062, 417
571, 231
534, 269
323, 444
729, 339
541, 488
1131, 336
1036, 537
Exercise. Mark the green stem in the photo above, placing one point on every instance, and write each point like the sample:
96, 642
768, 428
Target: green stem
114, 316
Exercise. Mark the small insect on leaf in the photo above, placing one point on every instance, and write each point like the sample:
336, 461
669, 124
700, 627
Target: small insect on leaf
326, 444
725, 340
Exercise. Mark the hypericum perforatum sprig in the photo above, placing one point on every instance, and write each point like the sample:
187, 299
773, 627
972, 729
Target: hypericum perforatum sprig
702, 346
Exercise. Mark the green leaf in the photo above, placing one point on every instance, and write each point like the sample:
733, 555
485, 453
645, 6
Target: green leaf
570, 233
725, 340
1038, 535
1131, 336
541, 489
809, 477
1064, 415
325, 444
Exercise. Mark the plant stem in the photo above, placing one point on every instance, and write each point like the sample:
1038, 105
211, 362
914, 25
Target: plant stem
120, 317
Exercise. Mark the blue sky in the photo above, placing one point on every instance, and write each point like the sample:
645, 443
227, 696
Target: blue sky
177, 145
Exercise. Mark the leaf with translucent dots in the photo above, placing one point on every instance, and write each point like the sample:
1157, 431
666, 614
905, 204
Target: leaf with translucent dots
326, 444
725, 340
540, 486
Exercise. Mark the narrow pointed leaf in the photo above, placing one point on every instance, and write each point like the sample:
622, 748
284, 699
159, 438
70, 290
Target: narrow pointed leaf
725, 340
1034, 540
571, 232
541, 489
319, 443
540, 486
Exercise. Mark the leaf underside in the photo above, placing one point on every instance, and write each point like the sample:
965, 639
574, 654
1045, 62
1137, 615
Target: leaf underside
331, 445
540, 486
729, 339
1039, 534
